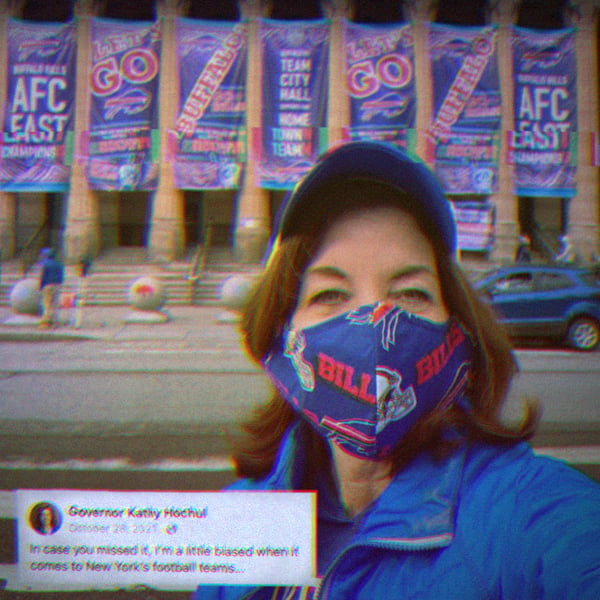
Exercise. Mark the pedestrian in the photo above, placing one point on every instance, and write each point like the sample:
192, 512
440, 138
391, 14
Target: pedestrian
523, 253
389, 375
84, 270
566, 252
51, 279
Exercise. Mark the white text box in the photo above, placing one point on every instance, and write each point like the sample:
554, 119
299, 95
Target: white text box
74, 539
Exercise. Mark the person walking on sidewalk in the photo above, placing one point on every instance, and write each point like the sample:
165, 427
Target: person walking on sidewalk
76, 318
523, 254
52, 277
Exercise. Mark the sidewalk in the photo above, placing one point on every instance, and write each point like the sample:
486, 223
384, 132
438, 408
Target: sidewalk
197, 325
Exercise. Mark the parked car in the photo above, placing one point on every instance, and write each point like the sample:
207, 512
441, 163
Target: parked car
541, 301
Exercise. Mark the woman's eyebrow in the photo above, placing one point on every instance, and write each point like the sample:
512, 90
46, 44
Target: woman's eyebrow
404, 273
412, 271
328, 271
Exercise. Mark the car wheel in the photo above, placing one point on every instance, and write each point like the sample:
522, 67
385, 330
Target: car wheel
584, 334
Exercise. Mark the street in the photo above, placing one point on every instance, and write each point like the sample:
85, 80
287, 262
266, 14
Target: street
177, 387
144, 381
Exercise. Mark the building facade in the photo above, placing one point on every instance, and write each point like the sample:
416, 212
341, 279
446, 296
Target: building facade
169, 221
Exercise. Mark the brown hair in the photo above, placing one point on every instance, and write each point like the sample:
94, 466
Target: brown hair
272, 302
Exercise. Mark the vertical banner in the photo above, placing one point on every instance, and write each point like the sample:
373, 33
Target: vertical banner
38, 119
464, 135
123, 140
543, 146
294, 99
210, 127
595, 149
475, 225
381, 83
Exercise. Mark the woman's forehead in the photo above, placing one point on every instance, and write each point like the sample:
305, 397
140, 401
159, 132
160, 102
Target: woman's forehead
379, 235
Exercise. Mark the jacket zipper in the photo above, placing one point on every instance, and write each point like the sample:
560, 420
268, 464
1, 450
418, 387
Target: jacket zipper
417, 545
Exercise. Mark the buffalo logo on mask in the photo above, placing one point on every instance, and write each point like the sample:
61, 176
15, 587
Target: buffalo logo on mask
392, 402
294, 347
365, 377
383, 315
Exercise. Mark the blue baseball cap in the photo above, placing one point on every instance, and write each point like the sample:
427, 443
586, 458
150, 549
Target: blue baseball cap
372, 161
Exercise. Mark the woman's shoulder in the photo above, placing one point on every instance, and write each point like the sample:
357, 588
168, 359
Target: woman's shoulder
521, 469
517, 476
536, 508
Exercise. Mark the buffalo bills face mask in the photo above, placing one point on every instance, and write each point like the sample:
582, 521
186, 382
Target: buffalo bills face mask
362, 379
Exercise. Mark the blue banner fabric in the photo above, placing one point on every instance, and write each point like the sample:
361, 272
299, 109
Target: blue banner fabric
381, 83
543, 146
210, 128
123, 138
476, 225
37, 138
464, 136
294, 100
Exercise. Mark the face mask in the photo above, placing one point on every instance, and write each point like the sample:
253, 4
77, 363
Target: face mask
362, 379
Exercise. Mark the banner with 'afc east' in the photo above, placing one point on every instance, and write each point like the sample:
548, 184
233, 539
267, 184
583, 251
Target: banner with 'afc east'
37, 136
464, 132
210, 127
123, 137
543, 145
380, 83
294, 100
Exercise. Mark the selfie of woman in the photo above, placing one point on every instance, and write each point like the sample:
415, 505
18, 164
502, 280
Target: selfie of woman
389, 378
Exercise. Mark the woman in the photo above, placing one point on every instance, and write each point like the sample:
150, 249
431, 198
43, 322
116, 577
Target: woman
390, 375
44, 518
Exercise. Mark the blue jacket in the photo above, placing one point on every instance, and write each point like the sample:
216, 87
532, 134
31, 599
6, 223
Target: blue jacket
488, 522
52, 272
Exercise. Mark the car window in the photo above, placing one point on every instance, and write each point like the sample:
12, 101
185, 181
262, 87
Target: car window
552, 281
511, 284
591, 278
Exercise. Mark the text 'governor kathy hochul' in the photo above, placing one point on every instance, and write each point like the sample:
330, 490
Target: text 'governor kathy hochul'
77, 540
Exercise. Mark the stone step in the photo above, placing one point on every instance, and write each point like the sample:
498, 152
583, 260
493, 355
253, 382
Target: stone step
110, 287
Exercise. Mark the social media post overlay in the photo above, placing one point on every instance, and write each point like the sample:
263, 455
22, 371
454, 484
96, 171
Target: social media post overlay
85, 539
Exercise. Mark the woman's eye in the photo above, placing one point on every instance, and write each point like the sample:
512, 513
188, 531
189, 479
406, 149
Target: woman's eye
328, 297
411, 298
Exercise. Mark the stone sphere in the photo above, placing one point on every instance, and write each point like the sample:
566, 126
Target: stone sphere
25, 297
147, 293
235, 290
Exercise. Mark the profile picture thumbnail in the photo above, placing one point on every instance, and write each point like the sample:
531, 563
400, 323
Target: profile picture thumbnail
45, 518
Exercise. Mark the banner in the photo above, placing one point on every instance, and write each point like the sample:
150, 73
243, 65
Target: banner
210, 127
381, 83
475, 224
595, 149
294, 100
543, 146
38, 120
123, 140
464, 134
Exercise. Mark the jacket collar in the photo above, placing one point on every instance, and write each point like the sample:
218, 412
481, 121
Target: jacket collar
417, 508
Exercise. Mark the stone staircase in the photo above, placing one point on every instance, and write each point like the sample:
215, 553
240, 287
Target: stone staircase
114, 270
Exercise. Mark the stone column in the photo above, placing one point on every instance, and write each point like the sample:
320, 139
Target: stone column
423, 12
82, 228
583, 217
507, 204
338, 109
253, 223
8, 205
167, 232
